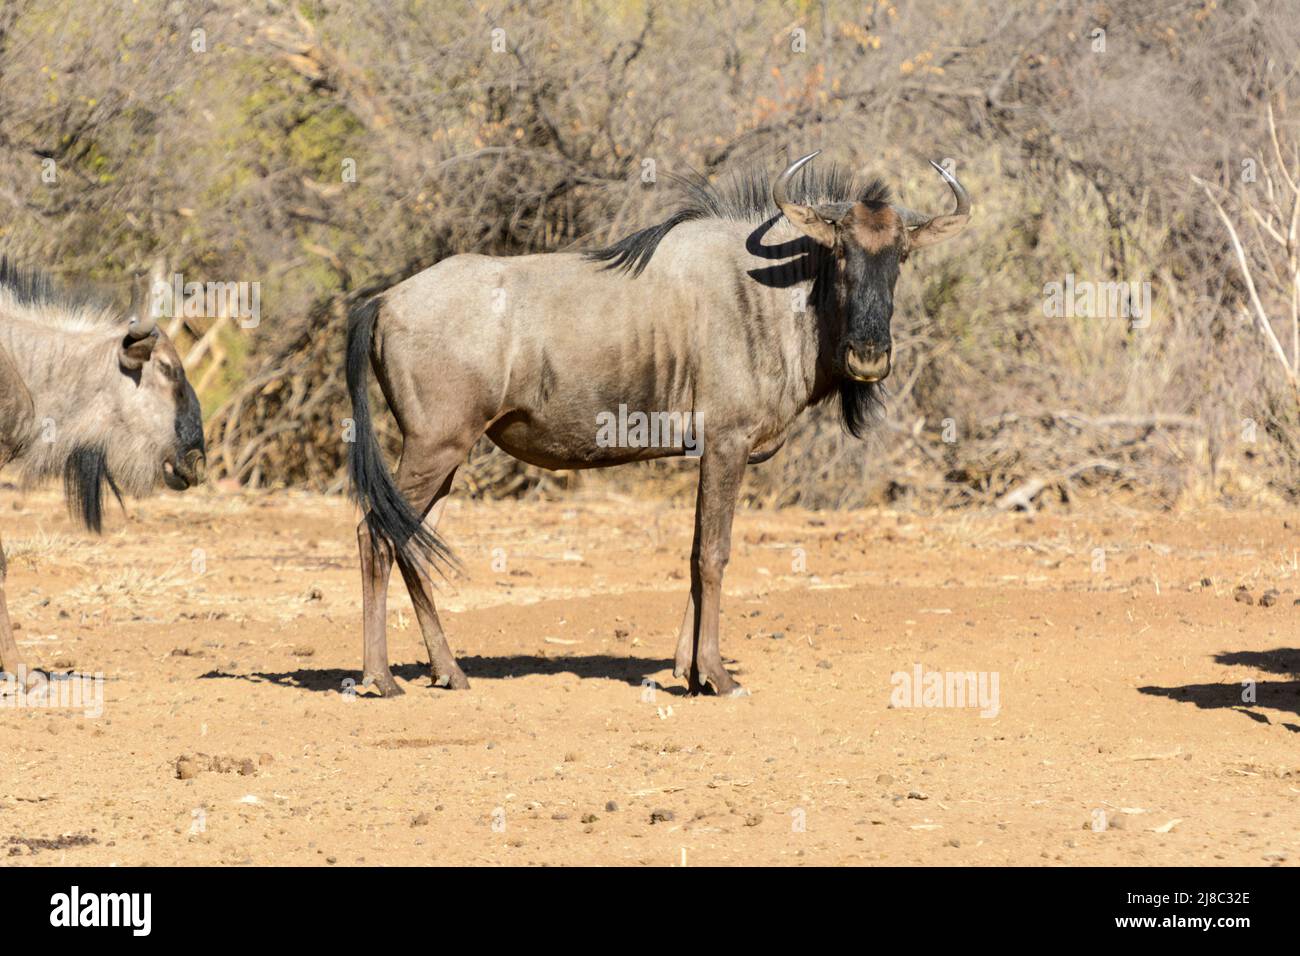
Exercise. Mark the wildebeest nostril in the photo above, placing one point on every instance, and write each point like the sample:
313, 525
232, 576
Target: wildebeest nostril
870, 351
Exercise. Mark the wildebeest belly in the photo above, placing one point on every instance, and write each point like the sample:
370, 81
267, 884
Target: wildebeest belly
587, 425
598, 381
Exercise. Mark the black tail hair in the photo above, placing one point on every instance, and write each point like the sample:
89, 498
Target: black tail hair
395, 528
84, 476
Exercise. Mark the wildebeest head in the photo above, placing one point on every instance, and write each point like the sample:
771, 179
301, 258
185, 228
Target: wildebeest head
869, 241
107, 403
160, 413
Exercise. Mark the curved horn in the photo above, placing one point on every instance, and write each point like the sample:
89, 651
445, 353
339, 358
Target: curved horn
142, 326
958, 190
804, 218
927, 230
779, 194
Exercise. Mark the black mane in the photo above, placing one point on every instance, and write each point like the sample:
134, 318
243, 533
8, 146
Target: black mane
35, 287
745, 196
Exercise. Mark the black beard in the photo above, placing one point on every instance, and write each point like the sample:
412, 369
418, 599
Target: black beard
84, 476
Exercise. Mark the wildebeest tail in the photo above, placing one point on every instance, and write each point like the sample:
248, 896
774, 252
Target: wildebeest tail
395, 527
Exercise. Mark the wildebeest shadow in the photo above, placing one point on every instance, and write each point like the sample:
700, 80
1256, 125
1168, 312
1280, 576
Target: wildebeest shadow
1283, 695
630, 670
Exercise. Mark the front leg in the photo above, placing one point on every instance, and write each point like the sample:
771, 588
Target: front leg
685, 655
722, 468
686, 636
11, 660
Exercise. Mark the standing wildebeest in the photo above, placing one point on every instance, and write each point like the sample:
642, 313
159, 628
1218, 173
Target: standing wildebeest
722, 313
90, 397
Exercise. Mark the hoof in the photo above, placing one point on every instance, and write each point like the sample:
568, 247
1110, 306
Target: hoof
718, 682
21, 677
456, 680
384, 685
682, 661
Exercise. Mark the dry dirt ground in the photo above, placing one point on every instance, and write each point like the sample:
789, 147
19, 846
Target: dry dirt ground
227, 631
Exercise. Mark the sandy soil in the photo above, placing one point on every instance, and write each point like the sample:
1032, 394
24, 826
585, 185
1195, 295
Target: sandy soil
227, 630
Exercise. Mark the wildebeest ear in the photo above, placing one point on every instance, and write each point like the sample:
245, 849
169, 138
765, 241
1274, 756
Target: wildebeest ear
937, 230
141, 337
927, 230
137, 352
807, 219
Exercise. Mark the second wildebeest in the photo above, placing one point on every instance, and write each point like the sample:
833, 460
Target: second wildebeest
726, 314
93, 397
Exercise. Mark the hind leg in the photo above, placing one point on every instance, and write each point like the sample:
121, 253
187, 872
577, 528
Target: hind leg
376, 567
424, 477
446, 672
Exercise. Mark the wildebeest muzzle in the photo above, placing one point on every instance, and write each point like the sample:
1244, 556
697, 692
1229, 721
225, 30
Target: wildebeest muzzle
867, 363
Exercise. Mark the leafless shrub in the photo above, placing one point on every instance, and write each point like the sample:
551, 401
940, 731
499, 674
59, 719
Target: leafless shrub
329, 149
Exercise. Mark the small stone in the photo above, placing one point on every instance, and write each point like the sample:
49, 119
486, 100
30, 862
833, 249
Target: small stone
1269, 597
917, 795
753, 820
885, 779
662, 816
186, 769
589, 818
420, 820
1242, 596
824, 665
611, 807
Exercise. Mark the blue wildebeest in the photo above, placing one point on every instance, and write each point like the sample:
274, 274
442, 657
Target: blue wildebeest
740, 311
92, 398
